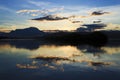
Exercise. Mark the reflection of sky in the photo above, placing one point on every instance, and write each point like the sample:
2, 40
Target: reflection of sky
10, 19
57, 62
59, 55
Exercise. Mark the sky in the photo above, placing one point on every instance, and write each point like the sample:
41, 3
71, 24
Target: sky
58, 14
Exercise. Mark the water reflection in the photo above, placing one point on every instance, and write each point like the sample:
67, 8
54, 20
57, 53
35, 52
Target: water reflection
54, 56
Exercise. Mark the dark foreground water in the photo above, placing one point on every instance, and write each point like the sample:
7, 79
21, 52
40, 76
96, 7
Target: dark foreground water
38, 60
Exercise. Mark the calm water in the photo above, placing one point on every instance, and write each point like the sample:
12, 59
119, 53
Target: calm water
38, 60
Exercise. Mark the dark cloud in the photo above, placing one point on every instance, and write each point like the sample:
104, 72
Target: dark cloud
51, 58
77, 21
91, 27
100, 63
51, 18
97, 21
98, 13
95, 25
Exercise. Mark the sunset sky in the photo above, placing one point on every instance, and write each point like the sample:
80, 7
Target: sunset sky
17, 14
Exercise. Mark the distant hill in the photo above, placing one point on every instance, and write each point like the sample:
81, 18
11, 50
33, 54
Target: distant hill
30, 32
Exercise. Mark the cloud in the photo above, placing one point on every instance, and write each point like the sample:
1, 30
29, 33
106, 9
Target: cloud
111, 26
54, 17
80, 13
51, 18
7, 29
108, 14
97, 21
101, 26
98, 13
95, 25
33, 12
39, 3
77, 21
91, 27
27, 11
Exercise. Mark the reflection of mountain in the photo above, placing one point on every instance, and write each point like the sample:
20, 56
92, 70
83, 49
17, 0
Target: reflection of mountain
26, 44
85, 48
35, 44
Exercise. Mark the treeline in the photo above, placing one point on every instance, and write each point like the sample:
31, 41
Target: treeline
73, 38
94, 38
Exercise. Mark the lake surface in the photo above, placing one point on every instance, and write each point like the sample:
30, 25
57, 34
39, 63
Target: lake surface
39, 60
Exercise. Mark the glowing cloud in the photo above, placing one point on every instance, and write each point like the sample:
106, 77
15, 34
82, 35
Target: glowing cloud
111, 26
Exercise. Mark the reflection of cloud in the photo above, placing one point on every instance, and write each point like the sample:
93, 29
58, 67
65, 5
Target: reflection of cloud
67, 54
36, 65
111, 50
53, 51
27, 66
98, 13
49, 66
97, 65
90, 49
100, 63
51, 58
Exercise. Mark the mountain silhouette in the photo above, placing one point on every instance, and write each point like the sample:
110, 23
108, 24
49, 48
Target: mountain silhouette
27, 32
